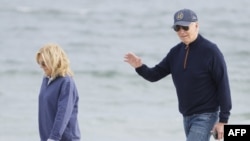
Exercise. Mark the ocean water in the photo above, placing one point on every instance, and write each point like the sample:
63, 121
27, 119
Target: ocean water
115, 103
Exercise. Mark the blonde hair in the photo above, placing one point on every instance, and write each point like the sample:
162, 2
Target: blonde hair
55, 59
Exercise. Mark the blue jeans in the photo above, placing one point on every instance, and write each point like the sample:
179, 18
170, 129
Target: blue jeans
198, 126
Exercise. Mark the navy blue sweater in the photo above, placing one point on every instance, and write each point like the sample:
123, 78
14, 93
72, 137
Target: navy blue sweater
58, 109
201, 83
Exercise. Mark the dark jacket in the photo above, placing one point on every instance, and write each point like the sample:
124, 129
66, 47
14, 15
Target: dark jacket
201, 83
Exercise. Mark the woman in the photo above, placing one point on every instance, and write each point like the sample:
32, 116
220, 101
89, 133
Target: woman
58, 98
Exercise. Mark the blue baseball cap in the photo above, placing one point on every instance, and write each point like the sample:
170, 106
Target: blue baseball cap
184, 17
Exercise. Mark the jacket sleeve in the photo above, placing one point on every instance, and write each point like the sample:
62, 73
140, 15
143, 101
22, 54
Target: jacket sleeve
155, 73
220, 76
65, 107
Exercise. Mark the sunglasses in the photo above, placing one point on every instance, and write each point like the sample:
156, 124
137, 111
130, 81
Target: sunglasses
178, 28
42, 63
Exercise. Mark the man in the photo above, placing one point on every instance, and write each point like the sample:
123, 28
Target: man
200, 76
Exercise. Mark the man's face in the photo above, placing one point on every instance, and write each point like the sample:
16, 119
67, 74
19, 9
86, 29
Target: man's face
187, 34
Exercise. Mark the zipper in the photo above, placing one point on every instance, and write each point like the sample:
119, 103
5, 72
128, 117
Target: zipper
186, 56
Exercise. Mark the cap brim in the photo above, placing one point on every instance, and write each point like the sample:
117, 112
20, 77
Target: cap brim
182, 23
